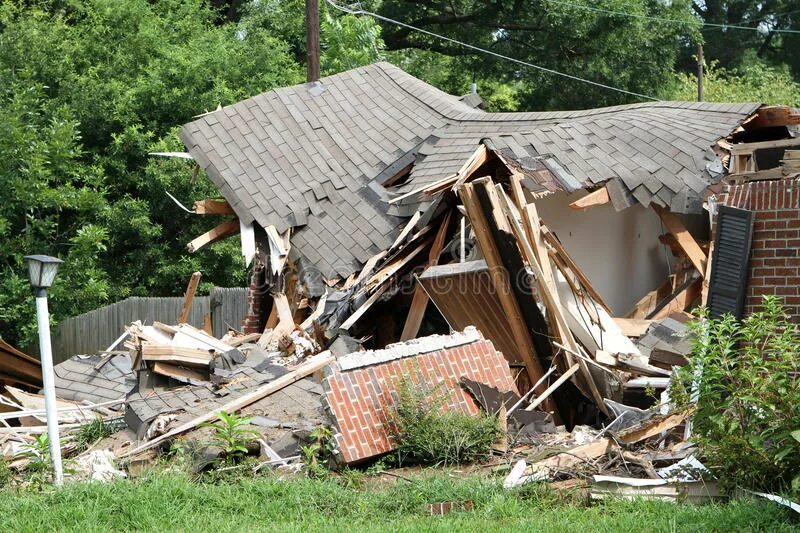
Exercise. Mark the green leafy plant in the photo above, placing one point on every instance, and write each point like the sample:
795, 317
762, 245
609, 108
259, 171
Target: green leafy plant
317, 455
427, 434
231, 435
40, 460
745, 379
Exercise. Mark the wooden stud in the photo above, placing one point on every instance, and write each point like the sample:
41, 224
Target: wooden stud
546, 394
598, 197
552, 302
213, 207
419, 303
222, 231
684, 238
188, 297
500, 281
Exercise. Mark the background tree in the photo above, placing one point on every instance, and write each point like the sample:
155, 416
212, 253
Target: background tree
635, 52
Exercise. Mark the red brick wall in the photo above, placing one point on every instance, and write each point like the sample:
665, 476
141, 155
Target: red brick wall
253, 320
361, 400
774, 262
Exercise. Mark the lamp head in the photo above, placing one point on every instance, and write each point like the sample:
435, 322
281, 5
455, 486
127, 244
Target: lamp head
42, 270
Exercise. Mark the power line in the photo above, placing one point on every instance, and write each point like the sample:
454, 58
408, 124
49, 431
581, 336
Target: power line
665, 19
485, 51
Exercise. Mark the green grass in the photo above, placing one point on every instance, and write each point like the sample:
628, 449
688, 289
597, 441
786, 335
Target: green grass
164, 502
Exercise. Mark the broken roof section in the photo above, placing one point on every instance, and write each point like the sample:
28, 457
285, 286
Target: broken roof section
317, 157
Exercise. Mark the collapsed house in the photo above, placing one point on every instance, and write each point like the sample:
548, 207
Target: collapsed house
350, 198
380, 215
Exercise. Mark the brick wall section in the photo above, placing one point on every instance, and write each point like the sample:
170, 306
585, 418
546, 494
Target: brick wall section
252, 321
361, 400
775, 258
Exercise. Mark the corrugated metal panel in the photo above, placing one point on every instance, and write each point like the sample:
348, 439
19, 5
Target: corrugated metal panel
729, 269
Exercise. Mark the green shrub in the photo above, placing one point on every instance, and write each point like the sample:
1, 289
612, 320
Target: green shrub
426, 434
747, 422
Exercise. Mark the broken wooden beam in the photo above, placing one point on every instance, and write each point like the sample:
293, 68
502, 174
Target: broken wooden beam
188, 297
556, 384
213, 207
684, 238
500, 280
221, 231
419, 302
598, 197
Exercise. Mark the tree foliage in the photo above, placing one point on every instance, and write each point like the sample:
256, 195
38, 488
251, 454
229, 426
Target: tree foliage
88, 88
734, 47
634, 53
755, 82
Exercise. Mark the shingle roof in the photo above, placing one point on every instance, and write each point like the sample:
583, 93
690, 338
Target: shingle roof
306, 156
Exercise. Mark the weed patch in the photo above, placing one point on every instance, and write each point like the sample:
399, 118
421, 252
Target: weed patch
426, 434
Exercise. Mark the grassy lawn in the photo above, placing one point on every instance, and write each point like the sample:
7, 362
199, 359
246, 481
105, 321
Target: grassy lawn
171, 502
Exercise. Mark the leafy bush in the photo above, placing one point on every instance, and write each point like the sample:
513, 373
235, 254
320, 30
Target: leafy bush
747, 422
426, 434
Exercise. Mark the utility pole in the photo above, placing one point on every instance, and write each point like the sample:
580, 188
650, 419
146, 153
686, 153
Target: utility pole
312, 39
699, 72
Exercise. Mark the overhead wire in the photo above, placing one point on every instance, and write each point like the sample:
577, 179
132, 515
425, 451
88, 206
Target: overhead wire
362, 11
670, 20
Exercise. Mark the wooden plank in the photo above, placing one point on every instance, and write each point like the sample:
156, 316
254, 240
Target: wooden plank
213, 207
358, 313
684, 238
315, 363
419, 302
184, 375
598, 197
407, 229
556, 384
176, 354
188, 296
744, 149
472, 164
552, 303
391, 268
285, 319
222, 231
500, 281
680, 301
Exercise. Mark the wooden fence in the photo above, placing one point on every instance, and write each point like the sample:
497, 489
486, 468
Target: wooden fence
94, 331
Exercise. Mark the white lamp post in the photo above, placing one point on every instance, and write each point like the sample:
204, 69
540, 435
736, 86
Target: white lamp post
42, 271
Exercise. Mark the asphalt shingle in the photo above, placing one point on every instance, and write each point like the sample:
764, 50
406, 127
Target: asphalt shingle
332, 139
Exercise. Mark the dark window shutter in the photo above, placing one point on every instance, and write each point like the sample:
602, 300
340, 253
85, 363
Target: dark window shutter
729, 268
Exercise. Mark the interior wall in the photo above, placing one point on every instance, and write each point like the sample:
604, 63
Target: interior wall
618, 251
